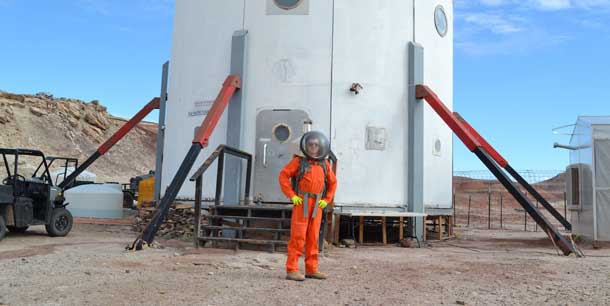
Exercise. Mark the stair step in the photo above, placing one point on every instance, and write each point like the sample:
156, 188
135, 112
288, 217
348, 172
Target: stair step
262, 229
253, 241
247, 218
253, 207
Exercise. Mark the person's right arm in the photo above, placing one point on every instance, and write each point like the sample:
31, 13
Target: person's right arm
289, 171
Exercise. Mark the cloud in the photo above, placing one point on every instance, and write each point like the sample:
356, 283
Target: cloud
494, 22
486, 31
486, 46
123, 29
129, 9
590, 4
158, 6
544, 5
494, 2
492, 27
591, 24
552, 4
99, 7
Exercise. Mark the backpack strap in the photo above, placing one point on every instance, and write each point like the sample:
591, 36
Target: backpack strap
304, 167
323, 165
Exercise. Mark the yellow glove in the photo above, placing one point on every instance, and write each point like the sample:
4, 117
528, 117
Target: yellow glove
296, 200
322, 204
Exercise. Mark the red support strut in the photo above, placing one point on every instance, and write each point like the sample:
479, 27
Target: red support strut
423, 92
118, 135
497, 165
490, 150
231, 84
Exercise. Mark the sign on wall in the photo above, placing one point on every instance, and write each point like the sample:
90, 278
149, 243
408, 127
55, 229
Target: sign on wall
200, 108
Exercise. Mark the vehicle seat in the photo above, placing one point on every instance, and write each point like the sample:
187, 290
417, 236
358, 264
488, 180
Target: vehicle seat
6, 194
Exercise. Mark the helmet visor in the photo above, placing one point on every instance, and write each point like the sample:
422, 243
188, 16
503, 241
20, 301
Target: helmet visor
315, 145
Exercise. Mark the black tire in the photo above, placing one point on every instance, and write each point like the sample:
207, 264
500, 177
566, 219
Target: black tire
3, 228
61, 223
14, 229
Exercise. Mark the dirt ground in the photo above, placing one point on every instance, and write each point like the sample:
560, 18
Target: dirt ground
91, 267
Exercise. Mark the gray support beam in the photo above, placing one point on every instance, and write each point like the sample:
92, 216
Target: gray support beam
415, 155
234, 165
161, 130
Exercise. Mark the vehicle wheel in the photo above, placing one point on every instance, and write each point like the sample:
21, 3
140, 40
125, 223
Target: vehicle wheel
61, 223
2, 228
14, 229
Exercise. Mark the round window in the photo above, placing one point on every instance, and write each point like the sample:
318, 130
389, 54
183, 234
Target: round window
281, 132
440, 20
287, 4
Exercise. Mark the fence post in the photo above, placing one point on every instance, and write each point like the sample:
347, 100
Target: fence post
454, 209
198, 192
488, 210
536, 224
489, 206
565, 207
501, 221
469, 201
525, 214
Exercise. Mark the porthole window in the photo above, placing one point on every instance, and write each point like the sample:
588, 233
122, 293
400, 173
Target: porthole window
281, 132
440, 21
287, 4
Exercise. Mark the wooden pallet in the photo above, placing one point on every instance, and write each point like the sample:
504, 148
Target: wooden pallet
442, 227
375, 215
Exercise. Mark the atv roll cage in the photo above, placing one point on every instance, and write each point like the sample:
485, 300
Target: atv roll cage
67, 163
43, 167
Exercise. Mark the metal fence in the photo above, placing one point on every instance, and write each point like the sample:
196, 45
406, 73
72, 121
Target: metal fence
480, 201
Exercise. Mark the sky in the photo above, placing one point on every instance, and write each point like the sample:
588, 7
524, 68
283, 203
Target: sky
106, 50
521, 68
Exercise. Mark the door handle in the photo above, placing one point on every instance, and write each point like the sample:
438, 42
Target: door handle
265, 155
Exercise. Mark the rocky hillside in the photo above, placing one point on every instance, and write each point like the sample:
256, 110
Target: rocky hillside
74, 128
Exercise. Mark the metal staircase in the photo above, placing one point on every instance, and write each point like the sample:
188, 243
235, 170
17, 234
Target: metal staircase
247, 226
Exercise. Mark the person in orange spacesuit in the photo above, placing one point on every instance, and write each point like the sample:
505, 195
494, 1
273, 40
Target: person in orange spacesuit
309, 182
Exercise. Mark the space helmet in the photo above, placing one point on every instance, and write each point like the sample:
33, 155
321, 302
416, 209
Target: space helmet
315, 145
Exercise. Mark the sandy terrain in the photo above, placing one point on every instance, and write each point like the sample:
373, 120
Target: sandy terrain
91, 267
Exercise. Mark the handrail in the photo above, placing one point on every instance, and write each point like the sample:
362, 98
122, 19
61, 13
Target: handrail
219, 153
198, 178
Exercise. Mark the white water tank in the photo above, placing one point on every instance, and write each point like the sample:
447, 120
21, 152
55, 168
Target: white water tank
95, 201
58, 175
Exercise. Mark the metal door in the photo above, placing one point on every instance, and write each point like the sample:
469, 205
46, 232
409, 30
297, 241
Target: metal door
278, 132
